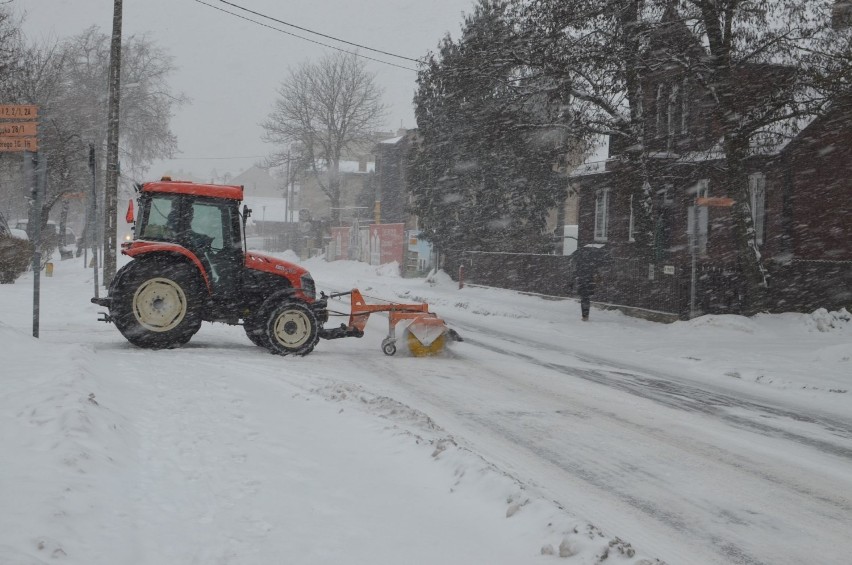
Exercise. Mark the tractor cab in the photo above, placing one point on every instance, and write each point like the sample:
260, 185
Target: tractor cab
208, 225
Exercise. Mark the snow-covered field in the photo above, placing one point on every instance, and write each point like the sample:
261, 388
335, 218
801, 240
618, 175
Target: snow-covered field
538, 439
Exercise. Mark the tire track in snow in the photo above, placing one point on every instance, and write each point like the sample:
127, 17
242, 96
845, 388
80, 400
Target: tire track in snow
666, 390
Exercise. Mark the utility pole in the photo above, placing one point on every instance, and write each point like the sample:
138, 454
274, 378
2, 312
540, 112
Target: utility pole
91, 226
289, 187
111, 189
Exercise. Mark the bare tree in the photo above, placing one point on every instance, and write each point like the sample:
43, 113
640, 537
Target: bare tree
326, 107
11, 44
68, 80
147, 99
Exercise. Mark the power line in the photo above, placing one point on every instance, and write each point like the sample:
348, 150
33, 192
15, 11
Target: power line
304, 38
317, 33
213, 158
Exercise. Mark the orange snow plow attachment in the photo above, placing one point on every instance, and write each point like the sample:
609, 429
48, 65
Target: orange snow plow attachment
424, 332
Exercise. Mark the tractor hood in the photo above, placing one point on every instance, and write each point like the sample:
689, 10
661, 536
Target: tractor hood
267, 264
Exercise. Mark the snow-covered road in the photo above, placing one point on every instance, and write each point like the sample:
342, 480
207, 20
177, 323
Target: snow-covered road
716, 441
700, 476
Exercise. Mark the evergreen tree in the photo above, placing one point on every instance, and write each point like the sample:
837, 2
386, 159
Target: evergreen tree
482, 173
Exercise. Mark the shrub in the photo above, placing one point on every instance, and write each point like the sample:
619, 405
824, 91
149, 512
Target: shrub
15, 257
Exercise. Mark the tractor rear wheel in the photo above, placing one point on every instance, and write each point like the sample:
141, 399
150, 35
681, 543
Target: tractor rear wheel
157, 304
292, 328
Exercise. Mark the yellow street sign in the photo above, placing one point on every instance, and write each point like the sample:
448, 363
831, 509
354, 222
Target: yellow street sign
11, 144
18, 129
18, 111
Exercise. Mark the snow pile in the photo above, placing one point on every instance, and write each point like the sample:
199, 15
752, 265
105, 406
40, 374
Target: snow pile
826, 321
388, 270
62, 449
722, 321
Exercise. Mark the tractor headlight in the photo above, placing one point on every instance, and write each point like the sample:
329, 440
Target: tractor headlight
308, 287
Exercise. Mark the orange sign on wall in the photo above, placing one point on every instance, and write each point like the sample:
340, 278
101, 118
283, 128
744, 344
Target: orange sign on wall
715, 201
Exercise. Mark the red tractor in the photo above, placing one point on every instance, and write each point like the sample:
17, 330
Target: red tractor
190, 265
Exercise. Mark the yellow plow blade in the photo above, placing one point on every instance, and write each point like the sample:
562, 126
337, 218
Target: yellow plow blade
426, 336
419, 350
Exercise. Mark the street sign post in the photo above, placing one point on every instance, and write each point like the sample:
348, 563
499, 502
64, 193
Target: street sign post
19, 134
711, 202
18, 128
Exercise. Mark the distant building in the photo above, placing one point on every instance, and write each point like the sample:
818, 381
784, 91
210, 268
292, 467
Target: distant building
257, 181
357, 189
391, 194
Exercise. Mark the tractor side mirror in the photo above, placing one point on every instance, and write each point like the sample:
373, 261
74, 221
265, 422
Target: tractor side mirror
129, 216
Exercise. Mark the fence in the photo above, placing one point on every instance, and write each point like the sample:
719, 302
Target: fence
661, 291
544, 274
637, 286
804, 286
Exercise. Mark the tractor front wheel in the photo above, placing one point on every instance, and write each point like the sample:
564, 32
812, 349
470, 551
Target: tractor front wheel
157, 305
292, 328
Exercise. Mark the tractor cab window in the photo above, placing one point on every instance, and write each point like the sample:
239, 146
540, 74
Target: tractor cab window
213, 221
156, 218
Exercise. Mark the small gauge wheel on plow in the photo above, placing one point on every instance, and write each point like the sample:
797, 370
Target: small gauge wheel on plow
389, 346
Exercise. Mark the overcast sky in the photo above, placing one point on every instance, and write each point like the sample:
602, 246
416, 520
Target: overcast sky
230, 68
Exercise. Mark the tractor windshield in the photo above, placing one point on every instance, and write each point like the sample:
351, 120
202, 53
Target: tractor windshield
155, 218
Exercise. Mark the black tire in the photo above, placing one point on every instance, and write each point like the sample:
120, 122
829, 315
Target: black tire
388, 348
157, 303
291, 329
256, 330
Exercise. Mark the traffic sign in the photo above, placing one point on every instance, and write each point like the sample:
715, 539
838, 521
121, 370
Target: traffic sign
717, 201
18, 129
11, 144
18, 111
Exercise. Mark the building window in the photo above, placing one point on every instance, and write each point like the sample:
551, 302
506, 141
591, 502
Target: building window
601, 214
673, 114
757, 200
631, 224
698, 233
661, 109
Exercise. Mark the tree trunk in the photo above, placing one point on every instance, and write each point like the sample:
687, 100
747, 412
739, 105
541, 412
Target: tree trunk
334, 191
